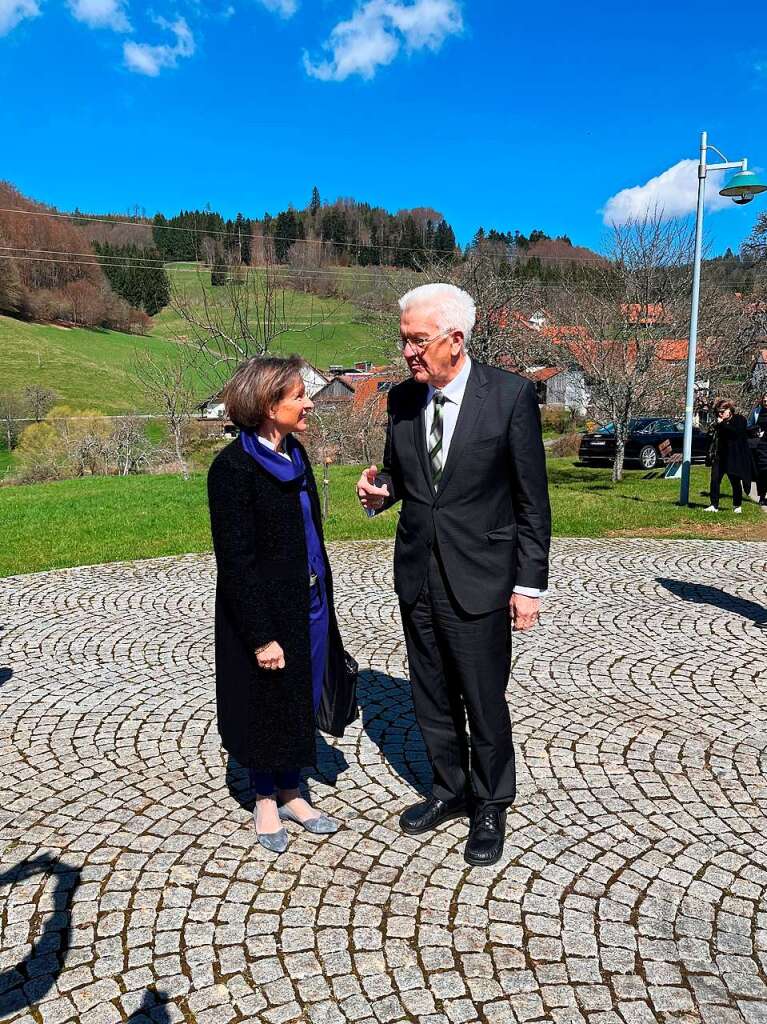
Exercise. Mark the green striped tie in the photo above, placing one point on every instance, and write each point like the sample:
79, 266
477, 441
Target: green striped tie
435, 440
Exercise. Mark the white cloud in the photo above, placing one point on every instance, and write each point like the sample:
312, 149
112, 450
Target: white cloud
374, 34
285, 8
14, 11
146, 59
674, 193
101, 14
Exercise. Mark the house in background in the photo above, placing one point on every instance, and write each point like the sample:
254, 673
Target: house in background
557, 386
314, 380
338, 391
358, 387
211, 409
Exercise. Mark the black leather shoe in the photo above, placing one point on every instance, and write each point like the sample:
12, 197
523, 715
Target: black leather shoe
486, 835
425, 816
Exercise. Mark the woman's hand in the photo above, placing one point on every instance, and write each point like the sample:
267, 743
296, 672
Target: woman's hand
270, 657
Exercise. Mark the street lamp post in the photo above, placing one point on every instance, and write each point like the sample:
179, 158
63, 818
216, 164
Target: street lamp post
741, 189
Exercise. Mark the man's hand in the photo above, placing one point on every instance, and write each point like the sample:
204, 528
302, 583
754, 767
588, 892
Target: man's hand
371, 497
270, 657
524, 611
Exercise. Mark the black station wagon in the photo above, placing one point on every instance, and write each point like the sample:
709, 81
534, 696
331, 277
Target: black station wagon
643, 443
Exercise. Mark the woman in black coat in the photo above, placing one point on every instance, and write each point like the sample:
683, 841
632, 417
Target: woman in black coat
276, 630
729, 456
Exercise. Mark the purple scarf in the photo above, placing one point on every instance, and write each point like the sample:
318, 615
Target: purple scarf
289, 472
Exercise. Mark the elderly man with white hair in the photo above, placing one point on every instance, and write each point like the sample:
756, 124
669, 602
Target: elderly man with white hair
465, 457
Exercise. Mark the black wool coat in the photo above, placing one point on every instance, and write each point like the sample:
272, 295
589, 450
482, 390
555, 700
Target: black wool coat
731, 452
265, 717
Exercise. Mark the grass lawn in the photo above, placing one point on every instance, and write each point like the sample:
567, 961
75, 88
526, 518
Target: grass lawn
105, 519
6, 458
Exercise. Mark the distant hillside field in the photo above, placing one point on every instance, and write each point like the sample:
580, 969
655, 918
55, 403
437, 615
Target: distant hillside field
85, 367
93, 368
339, 335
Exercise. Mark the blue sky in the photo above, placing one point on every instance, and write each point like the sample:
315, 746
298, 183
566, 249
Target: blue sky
496, 113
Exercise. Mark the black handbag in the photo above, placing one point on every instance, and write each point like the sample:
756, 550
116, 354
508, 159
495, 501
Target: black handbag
338, 706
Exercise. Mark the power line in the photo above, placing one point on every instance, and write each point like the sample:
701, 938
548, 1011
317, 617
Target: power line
284, 273
94, 259
211, 231
277, 272
278, 238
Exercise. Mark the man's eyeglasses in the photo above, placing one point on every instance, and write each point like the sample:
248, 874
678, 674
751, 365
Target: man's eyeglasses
418, 346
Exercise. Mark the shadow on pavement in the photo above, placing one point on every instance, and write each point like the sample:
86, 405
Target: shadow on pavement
5, 675
702, 593
389, 722
153, 1010
35, 976
330, 764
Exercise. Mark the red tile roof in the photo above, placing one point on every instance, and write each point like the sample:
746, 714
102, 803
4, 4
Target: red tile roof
545, 373
637, 313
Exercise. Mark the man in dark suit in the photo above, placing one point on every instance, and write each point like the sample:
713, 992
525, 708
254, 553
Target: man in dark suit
465, 457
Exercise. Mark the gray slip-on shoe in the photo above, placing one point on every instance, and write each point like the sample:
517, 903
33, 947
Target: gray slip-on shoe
321, 826
274, 842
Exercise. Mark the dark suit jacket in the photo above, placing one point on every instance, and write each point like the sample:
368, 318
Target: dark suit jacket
490, 516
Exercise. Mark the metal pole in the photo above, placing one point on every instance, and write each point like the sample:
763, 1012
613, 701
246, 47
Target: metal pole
684, 490
326, 490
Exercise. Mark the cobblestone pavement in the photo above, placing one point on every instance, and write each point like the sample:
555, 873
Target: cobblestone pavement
634, 884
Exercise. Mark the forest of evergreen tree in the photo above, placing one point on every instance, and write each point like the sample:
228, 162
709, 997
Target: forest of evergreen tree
345, 233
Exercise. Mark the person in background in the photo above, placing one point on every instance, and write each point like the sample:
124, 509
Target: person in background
729, 455
757, 428
274, 595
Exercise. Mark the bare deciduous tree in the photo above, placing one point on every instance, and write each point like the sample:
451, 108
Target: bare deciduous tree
170, 385
349, 432
242, 318
627, 331
12, 410
129, 449
39, 401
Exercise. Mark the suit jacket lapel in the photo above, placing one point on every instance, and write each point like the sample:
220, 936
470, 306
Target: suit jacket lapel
473, 398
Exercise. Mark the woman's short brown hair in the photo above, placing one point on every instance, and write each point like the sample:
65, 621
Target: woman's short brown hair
257, 385
724, 404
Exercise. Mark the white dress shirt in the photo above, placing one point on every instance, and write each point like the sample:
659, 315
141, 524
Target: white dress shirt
453, 394
273, 446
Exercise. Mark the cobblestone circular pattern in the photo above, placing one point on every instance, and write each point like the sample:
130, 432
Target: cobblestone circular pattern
633, 888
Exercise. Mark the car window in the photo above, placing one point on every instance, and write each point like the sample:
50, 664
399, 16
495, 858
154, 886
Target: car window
608, 428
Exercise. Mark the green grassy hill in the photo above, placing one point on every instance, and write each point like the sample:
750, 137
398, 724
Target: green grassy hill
85, 367
93, 368
326, 331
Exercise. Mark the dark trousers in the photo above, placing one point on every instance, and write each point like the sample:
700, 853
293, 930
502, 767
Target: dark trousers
760, 466
717, 475
459, 669
761, 484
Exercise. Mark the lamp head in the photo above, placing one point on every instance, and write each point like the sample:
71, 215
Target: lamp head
743, 186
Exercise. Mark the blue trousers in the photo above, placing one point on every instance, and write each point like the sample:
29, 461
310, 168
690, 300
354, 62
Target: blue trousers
264, 783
